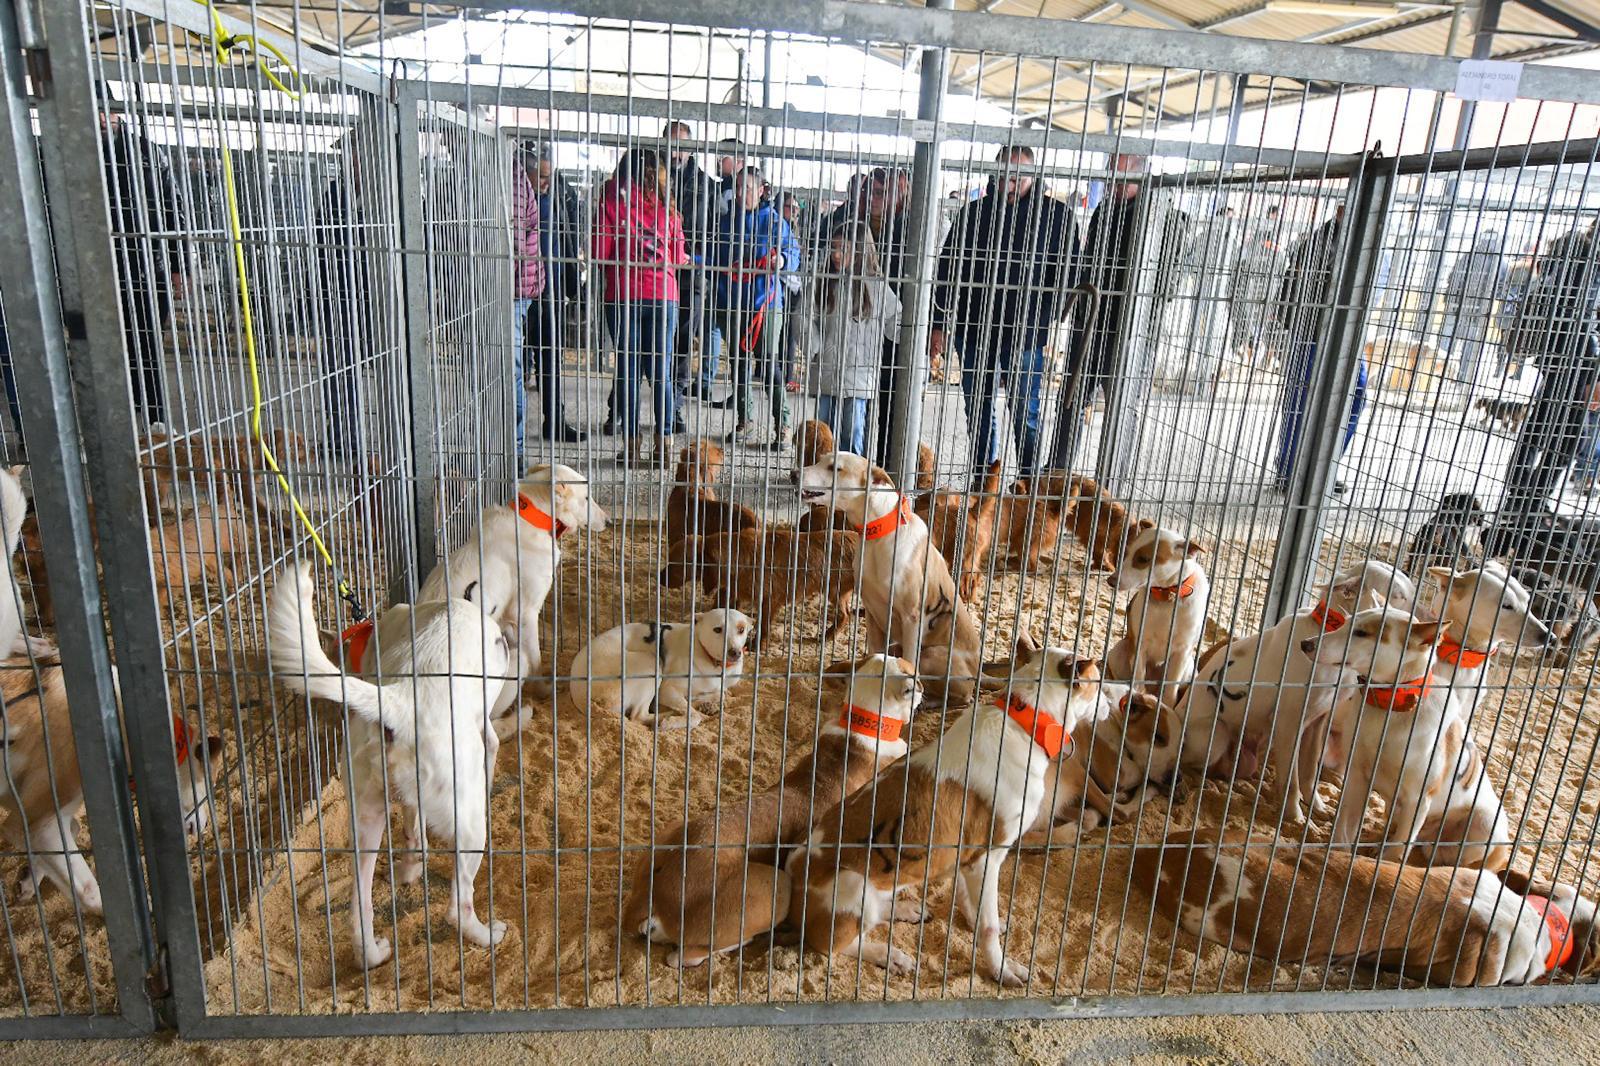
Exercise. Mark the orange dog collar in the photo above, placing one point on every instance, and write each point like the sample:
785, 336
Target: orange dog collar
1040, 725
1399, 698
1327, 617
1166, 593
530, 513
879, 727
1560, 927
180, 738
355, 640
1466, 658
881, 527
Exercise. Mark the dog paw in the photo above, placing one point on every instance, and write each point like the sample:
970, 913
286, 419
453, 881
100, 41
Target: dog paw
681, 961
28, 888
89, 898
497, 932
899, 963
1010, 974
910, 910
374, 952
408, 871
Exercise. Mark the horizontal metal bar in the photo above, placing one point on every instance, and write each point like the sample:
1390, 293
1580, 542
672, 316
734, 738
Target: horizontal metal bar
246, 115
973, 31
69, 1027
1543, 154
791, 119
217, 1027
196, 18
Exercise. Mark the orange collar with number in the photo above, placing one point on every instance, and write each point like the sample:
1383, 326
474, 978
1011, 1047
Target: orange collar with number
355, 640
1046, 732
1326, 617
879, 528
1560, 927
1466, 658
1400, 698
1164, 593
867, 723
529, 512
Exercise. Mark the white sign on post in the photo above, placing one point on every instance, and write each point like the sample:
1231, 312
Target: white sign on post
1488, 79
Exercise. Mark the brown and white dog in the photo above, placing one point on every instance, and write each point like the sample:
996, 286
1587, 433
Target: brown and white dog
954, 807
41, 784
1407, 738
1166, 615
766, 570
1129, 745
716, 882
692, 505
1312, 904
906, 590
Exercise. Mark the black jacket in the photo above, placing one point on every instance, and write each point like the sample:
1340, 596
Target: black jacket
699, 200
1307, 288
1563, 299
145, 199
1004, 269
561, 240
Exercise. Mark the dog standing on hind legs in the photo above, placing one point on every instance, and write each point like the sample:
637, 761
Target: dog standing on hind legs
425, 732
1166, 615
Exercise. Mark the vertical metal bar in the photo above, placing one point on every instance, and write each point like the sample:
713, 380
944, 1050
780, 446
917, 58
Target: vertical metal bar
1337, 358
922, 252
39, 347
1241, 86
424, 441
81, 224
1482, 48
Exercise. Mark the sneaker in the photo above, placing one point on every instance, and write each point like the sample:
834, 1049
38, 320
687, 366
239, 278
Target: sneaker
782, 440
565, 434
741, 433
721, 405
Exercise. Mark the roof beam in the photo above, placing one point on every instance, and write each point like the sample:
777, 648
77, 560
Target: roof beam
1582, 29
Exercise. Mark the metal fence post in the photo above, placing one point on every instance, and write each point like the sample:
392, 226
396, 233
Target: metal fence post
1338, 357
39, 347
87, 277
922, 253
1117, 456
418, 351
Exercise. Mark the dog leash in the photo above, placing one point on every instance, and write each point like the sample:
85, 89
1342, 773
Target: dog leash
222, 44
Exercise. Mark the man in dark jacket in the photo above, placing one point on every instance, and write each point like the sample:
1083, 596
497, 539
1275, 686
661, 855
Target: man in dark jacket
1003, 270
1477, 280
145, 200
1559, 331
698, 197
560, 222
1304, 297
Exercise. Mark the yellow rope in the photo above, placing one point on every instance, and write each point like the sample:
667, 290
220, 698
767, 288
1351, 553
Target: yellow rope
221, 44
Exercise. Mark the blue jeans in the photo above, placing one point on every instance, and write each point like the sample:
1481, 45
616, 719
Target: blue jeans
1297, 393
519, 318
710, 355
643, 332
1023, 375
847, 417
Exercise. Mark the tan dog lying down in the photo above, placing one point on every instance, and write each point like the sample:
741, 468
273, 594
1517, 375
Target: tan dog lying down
716, 882
906, 590
1309, 904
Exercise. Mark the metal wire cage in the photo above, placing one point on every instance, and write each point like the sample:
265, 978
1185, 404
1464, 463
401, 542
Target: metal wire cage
659, 247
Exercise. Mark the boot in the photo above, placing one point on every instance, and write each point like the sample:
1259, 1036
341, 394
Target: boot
663, 455
635, 451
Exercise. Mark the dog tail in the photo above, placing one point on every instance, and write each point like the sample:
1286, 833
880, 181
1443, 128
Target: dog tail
297, 657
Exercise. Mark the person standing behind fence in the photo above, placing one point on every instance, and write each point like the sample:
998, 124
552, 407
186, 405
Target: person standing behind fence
699, 200
1304, 297
146, 211
1250, 295
638, 243
1555, 327
346, 305
1477, 280
528, 275
1002, 272
793, 322
851, 310
753, 252
547, 319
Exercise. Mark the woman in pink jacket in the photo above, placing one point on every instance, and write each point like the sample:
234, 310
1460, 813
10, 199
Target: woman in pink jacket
638, 242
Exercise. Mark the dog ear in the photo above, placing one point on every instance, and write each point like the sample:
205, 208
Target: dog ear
1428, 633
846, 668
880, 476
1193, 548
214, 748
1144, 524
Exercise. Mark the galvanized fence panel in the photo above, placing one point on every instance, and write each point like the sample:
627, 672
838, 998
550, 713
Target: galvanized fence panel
1259, 268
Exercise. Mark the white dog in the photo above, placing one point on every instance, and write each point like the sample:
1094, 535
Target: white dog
425, 732
1166, 615
641, 668
508, 564
1254, 698
1407, 739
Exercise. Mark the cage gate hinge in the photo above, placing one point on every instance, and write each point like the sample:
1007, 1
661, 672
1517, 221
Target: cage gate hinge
35, 54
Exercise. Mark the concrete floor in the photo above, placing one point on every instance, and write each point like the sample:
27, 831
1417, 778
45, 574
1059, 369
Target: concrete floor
1481, 1037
